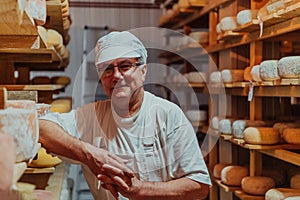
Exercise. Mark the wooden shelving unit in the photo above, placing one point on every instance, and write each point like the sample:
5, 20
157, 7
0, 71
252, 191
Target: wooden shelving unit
238, 49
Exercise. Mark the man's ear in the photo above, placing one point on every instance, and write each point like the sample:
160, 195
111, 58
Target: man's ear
144, 71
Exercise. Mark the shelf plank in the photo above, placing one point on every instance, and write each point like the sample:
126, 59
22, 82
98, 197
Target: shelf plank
26, 55
248, 27
45, 87
283, 154
229, 35
226, 188
243, 196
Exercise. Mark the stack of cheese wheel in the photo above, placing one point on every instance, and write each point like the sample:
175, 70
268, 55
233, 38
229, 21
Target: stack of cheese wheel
261, 136
239, 126
217, 171
225, 126
281, 193
233, 75
289, 67
246, 16
269, 70
291, 135
232, 175
255, 73
257, 185
215, 77
20, 121
228, 23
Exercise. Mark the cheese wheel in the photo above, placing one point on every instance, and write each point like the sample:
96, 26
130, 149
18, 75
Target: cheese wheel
257, 185
54, 39
268, 70
218, 28
215, 77
218, 169
281, 126
215, 122
289, 67
200, 37
40, 80
291, 135
247, 74
255, 73
295, 181
246, 16
196, 77
261, 136
61, 105
228, 23
225, 126
239, 126
60, 80
233, 175
281, 193
234, 75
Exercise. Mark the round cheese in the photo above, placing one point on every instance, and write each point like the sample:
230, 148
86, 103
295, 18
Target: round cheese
60, 80
281, 126
291, 135
261, 136
218, 169
289, 67
218, 28
281, 193
246, 16
255, 74
196, 77
228, 23
247, 74
225, 126
257, 185
233, 175
268, 70
215, 77
215, 122
295, 181
234, 75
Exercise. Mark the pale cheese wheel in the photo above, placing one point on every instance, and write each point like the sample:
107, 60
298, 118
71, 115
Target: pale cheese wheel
215, 77
255, 74
281, 193
233, 175
225, 126
295, 181
289, 67
228, 23
291, 135
257, 185
261, 136
218, 169
233, 75
246, 16
215, 122
239, 126
247, 74
196, 77
268, 70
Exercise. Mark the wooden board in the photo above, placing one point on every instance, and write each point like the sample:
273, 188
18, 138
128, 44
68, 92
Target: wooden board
229, 35
243, 196
283, 154
226, 188
248, 27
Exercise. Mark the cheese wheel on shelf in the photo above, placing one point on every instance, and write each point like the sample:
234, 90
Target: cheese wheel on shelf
281, 126
225, 126
215, 122
218, 169
238, 126
281, 193
268, 70
289, 67
233, 75
255, 74
291, 135
218, 28
257, 185
261, 136
228, 23
295, 181
246, 16
215, 77
233, 175
196, 77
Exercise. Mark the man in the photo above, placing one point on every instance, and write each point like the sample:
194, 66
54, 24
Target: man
133, 129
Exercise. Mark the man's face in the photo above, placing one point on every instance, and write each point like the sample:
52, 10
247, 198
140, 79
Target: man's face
121, 77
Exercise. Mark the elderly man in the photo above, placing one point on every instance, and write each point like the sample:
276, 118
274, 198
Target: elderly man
138, 145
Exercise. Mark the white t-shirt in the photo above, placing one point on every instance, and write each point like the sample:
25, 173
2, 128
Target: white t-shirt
158, 141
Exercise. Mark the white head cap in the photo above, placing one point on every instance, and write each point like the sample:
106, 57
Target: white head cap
119, 45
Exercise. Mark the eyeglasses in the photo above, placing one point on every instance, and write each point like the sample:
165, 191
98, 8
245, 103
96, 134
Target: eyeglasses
123, 68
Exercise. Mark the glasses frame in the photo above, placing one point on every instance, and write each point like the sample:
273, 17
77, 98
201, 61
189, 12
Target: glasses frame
110, 69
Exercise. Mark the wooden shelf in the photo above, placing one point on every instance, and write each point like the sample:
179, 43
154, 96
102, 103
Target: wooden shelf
283, 154
184, 20
229, 35
226, 188
249, 27
243, 196
34, 87
25, 55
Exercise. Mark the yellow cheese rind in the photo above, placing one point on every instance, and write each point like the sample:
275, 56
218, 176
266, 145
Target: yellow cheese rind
261, 136
233, 175
257, 185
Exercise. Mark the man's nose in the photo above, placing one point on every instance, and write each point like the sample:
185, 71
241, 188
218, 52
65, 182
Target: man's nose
117, 73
